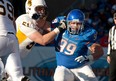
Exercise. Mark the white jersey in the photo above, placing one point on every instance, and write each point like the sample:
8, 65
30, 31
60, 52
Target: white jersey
9, 48
6, 17
25, 26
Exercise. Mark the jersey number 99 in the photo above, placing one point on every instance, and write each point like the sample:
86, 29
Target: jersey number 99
67, 48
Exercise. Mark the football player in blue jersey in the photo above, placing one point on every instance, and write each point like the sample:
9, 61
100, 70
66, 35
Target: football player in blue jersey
72, 45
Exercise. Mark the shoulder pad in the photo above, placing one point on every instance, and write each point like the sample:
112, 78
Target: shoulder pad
90, 34
24, 20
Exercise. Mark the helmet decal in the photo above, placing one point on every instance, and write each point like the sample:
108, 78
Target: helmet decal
30, 7
29, 3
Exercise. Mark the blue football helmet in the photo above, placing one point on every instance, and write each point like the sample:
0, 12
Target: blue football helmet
78, 16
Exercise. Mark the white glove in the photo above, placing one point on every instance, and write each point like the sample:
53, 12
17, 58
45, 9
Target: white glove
85, 58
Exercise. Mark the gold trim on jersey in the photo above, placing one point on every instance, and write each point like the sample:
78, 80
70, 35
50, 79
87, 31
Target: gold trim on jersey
20, 35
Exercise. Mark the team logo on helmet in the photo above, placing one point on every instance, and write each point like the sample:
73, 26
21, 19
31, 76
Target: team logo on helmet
32, 10
29, 3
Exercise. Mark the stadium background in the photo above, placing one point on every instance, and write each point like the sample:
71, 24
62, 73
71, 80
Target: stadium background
40, 63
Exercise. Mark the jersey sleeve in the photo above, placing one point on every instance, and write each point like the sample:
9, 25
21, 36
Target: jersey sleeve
91, 37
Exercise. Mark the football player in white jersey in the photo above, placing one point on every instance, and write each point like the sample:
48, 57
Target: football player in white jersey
9, 50
31, 25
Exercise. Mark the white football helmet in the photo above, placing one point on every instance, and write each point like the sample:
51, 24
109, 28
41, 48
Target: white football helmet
30, 7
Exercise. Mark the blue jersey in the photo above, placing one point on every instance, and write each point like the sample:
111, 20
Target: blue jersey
69, 46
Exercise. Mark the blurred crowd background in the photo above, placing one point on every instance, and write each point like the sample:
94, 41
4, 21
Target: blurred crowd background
99, 13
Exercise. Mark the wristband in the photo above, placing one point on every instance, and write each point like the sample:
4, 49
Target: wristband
56, 30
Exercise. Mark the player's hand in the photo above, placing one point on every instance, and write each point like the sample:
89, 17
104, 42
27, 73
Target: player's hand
62, 26
85, 58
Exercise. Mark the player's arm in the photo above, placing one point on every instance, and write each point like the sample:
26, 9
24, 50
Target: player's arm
96, 52
43, 39
95, 48
37, 37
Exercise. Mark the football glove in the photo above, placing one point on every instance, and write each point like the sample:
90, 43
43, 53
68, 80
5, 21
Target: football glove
85, 58
61, 27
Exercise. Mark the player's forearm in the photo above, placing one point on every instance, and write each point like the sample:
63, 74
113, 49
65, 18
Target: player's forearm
47, 38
